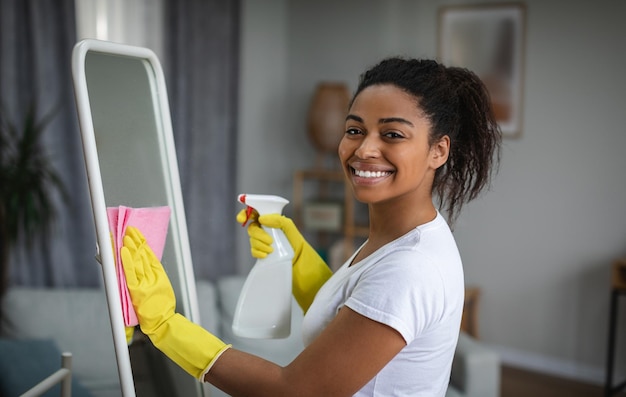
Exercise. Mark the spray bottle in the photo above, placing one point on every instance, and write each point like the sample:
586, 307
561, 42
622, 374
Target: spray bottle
264, 306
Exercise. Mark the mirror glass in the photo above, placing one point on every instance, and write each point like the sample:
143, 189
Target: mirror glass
130, 158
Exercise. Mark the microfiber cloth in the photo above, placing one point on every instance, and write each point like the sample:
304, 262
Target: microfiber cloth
153, 223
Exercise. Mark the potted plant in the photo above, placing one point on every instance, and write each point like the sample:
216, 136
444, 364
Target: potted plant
27, 180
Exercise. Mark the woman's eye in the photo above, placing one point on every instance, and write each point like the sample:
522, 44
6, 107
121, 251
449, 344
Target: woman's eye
352, 131
392, 135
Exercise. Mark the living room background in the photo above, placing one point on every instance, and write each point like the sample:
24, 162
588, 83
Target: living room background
540, 244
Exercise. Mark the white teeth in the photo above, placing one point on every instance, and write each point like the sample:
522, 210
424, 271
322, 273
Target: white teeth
371, 174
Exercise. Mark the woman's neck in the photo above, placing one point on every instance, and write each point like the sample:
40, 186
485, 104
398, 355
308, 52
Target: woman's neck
389, 221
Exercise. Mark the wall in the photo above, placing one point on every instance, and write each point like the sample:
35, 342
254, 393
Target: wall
262, 100
555, 220
541, 242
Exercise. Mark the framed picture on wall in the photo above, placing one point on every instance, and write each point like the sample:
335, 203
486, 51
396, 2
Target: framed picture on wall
489, 40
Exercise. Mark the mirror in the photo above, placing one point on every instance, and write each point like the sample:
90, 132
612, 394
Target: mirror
130, 158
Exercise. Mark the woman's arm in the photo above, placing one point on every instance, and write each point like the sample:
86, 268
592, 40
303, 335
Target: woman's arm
345, 356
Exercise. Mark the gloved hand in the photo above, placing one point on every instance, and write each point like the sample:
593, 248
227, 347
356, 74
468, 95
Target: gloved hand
310, 271
130, 331
187, 344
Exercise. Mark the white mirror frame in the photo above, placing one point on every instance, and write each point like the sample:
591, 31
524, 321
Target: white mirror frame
187, 302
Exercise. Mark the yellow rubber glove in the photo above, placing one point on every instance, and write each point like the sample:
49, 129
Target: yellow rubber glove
310, 271
187, 344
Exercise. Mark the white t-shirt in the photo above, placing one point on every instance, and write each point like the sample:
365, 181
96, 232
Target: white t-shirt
415, 285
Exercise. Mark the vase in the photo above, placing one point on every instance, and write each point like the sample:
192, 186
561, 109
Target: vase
327, 116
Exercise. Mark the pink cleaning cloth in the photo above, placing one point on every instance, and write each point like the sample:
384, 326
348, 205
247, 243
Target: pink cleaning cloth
153, 223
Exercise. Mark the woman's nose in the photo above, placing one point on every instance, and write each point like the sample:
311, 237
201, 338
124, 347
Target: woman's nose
368, 148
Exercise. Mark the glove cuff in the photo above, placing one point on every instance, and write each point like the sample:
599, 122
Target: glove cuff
208, 368
189, 345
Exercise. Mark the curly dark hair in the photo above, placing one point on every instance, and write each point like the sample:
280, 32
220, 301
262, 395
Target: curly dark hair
458, 105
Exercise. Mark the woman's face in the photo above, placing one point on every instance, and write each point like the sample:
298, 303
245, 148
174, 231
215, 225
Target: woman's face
385, 151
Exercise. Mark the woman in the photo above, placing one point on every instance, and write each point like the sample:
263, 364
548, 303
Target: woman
387, 322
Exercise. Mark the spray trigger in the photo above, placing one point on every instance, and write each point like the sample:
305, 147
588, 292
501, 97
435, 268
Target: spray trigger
248, 213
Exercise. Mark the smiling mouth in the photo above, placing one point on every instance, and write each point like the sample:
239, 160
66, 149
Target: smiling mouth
370, 174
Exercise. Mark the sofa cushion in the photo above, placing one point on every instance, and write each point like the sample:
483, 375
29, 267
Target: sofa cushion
452, 392
475, 368
25, 363
78, 320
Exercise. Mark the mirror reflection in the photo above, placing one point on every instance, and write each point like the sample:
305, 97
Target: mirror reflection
128, 129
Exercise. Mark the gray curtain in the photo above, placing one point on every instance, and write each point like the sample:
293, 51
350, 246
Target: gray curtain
202, 48
36, 41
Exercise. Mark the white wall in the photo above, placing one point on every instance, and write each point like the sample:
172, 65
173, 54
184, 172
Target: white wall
541, 242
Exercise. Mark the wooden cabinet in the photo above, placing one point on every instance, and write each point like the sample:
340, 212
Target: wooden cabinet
329, 186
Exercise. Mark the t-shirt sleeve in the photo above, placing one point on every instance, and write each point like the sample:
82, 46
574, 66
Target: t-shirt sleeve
404, 291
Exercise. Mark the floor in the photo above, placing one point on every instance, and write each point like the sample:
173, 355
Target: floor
521, 383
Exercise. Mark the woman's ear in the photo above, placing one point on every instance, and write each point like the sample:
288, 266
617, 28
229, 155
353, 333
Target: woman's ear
439, 152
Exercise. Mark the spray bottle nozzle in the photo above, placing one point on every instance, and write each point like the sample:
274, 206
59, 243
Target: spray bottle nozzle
249, 209
262, 203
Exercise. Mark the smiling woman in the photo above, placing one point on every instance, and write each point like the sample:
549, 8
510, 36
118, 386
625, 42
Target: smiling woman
386, 322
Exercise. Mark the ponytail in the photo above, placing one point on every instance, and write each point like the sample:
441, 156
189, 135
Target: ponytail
475, 144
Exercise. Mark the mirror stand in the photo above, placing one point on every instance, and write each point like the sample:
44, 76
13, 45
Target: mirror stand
130, 158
